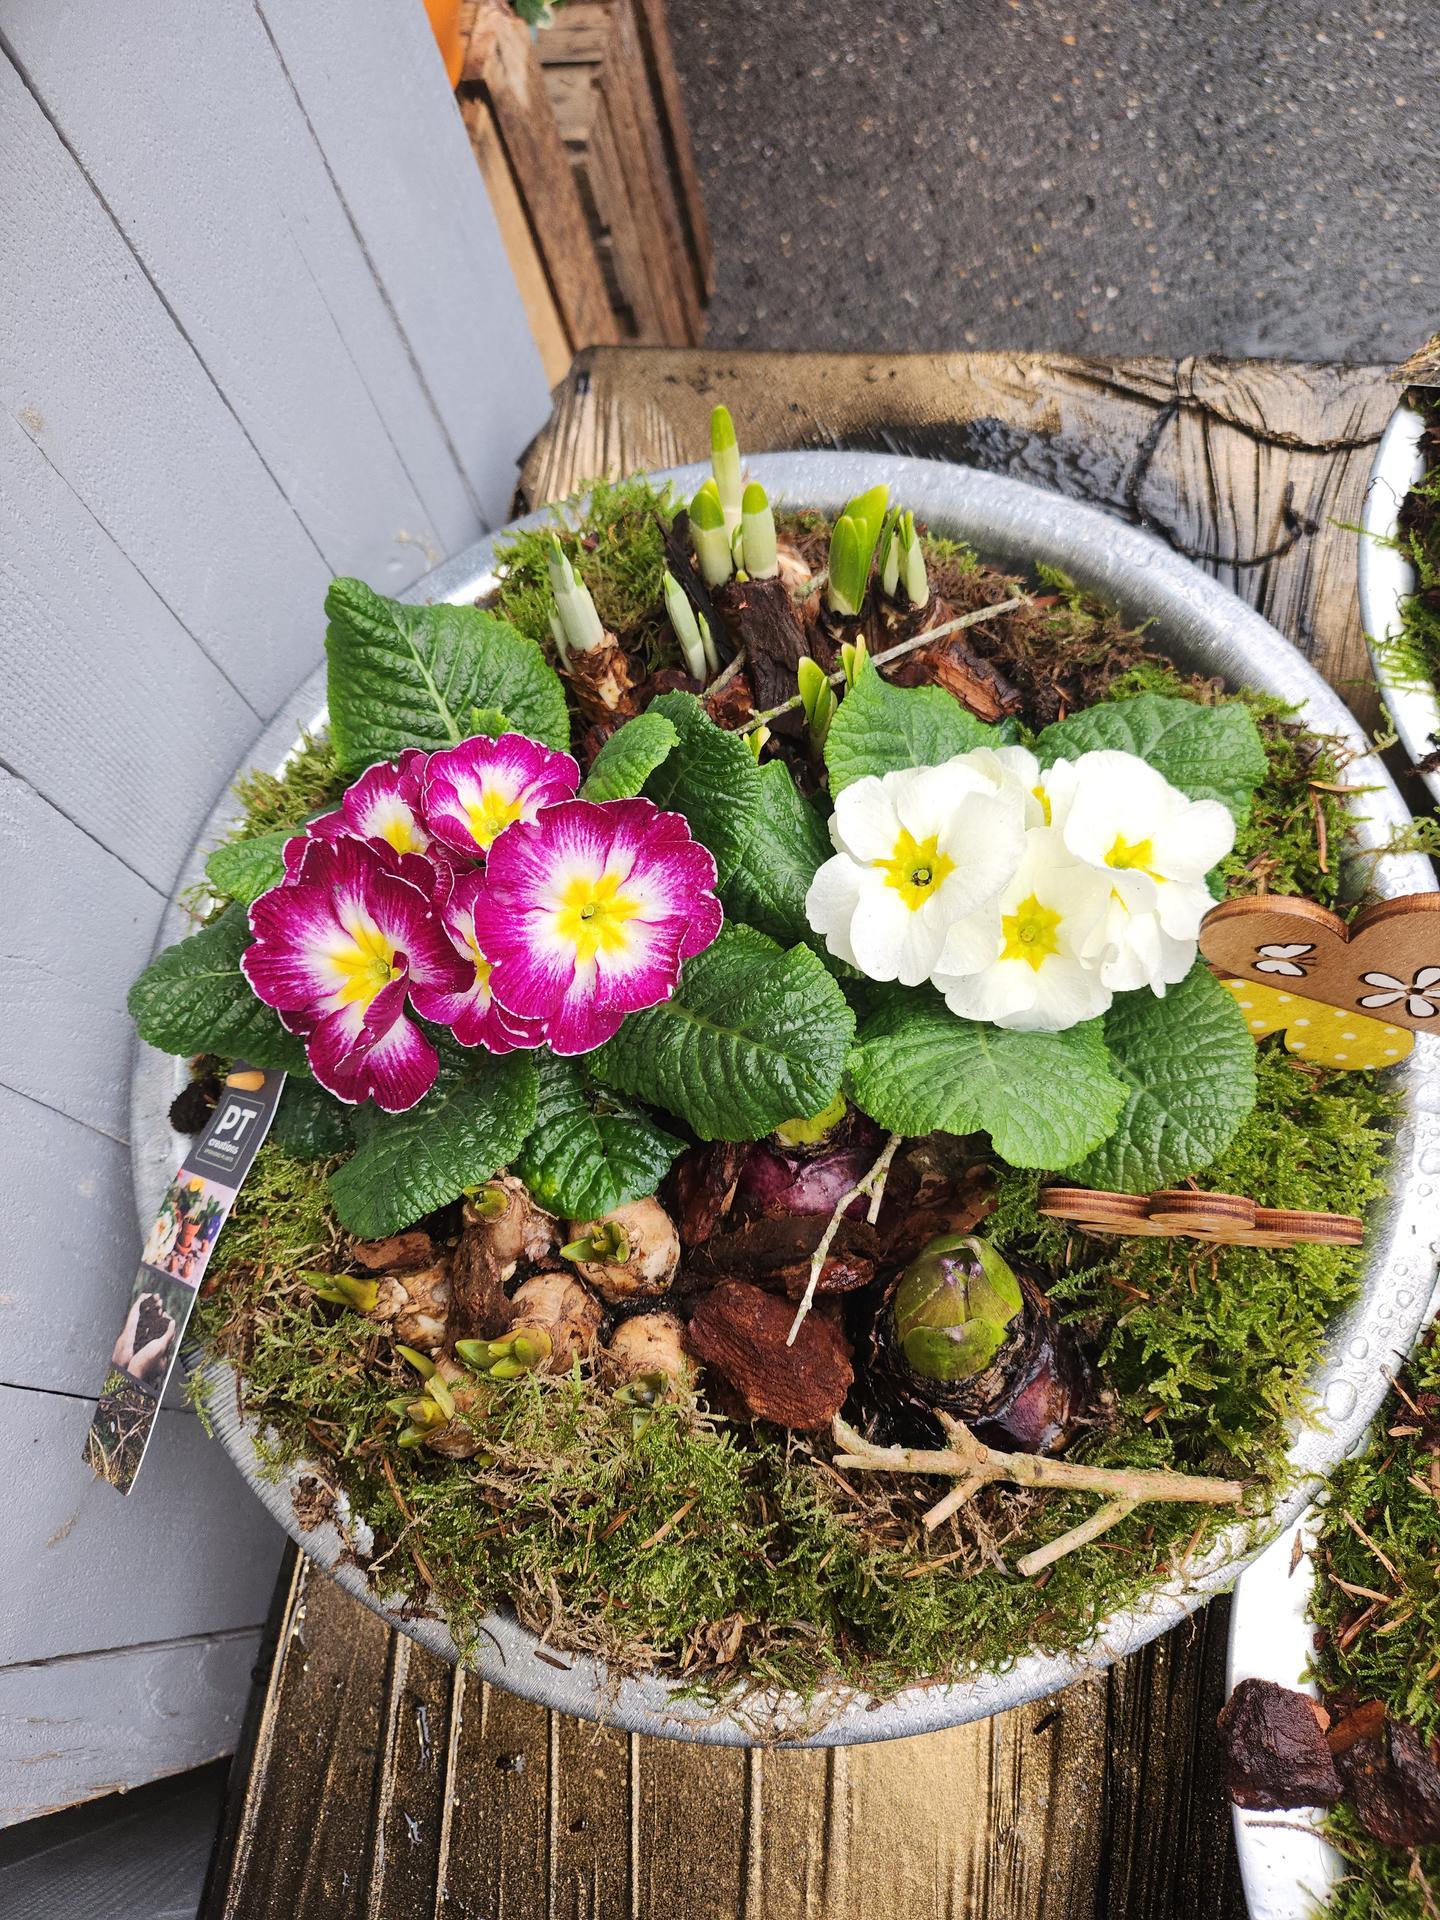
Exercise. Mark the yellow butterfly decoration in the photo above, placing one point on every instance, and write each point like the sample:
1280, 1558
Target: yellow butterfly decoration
1330, 1036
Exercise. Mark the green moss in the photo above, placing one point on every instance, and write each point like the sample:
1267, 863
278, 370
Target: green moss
619, 553
1380, 1883
1414, 653
309, 782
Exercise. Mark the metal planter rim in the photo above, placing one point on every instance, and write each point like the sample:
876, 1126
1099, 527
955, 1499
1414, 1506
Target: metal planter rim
1202, 626
1387, 579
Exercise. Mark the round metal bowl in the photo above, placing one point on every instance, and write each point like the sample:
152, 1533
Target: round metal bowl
1202, 626
1387, 579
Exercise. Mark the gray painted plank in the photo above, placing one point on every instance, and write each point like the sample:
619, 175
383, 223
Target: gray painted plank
72, 1244
100, 378
420, 204
71, 1730
78, 926
111, 712
84, 1569
224, 196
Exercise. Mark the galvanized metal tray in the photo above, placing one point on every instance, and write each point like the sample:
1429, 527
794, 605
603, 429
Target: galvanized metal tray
1203, 627
1387, 580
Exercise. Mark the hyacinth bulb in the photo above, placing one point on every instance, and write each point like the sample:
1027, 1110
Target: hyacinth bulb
955, 1308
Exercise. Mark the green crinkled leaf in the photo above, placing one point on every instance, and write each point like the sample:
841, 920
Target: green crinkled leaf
473, 1121
311, 1124
753, 1036
787, 843
1044, 1098
193, 998
403, 676
880, 729
710, 776
1189, 1063
589, 1152
490, 722
1209, 753
629, 757
244, 869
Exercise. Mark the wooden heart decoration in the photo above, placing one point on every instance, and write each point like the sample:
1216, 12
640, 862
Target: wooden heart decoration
1219, 1219
1325, 1036
1386, 963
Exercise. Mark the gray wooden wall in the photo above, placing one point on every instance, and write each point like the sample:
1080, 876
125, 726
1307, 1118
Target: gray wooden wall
256, 328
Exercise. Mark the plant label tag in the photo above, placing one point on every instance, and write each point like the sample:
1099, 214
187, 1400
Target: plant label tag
173, 1260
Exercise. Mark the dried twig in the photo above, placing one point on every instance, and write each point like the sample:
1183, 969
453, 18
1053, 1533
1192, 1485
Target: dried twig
891, 653
977, 1466
872, 1183
723, 678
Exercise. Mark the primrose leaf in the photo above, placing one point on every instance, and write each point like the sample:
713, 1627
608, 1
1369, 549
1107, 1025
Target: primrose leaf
1044, 1098
787, 843
1189, 1063
1209, 753
490, 722
244, 869
311, 1124
880, 729
471, 1123
589, 1152
710, 776
753, 1036
629, 757
193, 998
403, 676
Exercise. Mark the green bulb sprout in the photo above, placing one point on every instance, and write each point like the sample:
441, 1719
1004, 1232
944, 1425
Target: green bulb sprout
725, 465
757, 530
711, 538
817, 697
955, 1308
852, 548
575, 624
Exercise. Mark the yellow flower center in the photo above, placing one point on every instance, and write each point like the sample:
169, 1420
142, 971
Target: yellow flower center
1030, 933
491, 814
1043, 797
1133, 856
483, 968
403, 835
592, 915
916, 868
365, 966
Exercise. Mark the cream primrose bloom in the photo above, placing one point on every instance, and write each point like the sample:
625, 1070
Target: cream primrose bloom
1123, 819
916, 851
1019, 962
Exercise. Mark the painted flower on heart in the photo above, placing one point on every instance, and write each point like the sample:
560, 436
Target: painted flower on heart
916, 851
338, 948
1421, 995
1020, 962
473, 792
588, 913
383, 805
471, 1010
1154, 846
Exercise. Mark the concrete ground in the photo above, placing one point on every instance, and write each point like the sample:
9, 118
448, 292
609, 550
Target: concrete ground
1226, 176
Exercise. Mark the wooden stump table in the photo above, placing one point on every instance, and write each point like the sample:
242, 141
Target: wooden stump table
375, 1782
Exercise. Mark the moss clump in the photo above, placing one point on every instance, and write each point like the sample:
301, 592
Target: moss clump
1414, 653
618, 551
272, 803
1390, 1492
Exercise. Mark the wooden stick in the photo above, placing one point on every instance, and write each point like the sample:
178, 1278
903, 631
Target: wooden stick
892, 653
872, 1183
1101, 1521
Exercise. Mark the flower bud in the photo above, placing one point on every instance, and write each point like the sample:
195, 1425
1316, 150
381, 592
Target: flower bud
955, 1307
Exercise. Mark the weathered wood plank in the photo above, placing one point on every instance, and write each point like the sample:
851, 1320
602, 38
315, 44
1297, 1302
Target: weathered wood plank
77, 929
1228, 463
115, 401
427, 230
112, 712
82, 1569
98, 1723
283, 311
541, 308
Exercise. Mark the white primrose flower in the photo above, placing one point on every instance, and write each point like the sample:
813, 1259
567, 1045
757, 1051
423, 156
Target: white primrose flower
1124, 820
916, 851
1019, 962
1010, 770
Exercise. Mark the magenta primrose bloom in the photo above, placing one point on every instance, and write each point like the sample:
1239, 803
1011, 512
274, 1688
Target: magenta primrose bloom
472, 1012
473, 792
383, 805
587, 913
338, 946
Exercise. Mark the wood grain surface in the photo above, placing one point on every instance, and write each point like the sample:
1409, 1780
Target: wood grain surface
381, 1784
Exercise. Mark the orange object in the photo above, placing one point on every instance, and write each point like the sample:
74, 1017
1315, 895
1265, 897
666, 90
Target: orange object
445, 24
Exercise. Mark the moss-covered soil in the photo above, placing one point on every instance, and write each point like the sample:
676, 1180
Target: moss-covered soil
719, 1554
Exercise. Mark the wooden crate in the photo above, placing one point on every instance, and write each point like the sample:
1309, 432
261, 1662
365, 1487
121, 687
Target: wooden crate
580, 135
